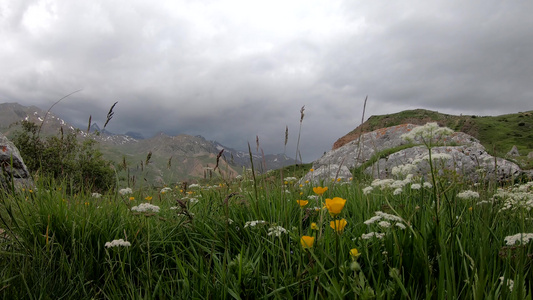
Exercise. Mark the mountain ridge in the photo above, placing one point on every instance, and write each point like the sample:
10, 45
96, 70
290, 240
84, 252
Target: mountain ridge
180, 157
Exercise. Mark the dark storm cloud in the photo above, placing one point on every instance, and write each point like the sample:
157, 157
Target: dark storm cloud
234, 70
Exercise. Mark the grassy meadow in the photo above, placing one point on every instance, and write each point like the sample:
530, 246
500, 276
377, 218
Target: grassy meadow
272, 237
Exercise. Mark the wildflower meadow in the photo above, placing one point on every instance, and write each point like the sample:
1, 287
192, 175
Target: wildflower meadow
272, 236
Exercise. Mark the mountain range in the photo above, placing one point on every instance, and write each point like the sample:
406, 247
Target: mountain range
156, 159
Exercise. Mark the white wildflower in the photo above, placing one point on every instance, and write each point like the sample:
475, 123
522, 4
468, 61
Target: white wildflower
397, 191
372, 220
165, 189
468, 194
382, 183
193, 200
427, 185
389, 217
277, 230
312, 197
144, 207
384, 224
367, 236
400, 225
367, 190
254, 223
96, 195
427, 133
403, 170
125, 191
416, 186
194, 185
117, 243
291, 179
523, 238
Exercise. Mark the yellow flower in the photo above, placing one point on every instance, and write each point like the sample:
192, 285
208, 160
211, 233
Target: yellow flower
302, 203
470, 208
286, 182
311, 170
320, 190
339, 179
338, 225
314, 226
132, 198
307, 241
335, 205
149, 198
354, 253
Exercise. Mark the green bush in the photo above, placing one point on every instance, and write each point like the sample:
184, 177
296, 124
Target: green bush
64, 157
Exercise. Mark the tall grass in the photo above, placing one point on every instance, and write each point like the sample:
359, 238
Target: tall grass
203, 243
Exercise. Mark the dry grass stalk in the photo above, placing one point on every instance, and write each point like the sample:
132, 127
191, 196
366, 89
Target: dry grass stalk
110, 114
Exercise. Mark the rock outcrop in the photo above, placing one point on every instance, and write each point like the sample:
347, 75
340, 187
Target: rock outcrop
13, 170
513, 152
457, 152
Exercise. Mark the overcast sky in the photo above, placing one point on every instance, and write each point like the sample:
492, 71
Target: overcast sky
231, 70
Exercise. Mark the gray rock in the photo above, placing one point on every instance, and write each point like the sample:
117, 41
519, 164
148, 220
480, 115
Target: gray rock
513, 152
12, 166
463, 154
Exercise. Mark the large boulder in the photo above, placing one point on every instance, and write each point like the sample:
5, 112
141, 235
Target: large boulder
13, 170
458, 152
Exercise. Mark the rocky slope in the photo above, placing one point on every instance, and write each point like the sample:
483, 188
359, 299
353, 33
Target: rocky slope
498, 134
385, 153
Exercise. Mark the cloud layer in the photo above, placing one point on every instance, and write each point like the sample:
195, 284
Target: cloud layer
233, 70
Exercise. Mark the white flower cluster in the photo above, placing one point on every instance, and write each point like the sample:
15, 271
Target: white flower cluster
144, 207
403, 170
193, 200
165, 189
253, 223
312, 197
96, 195
125, 191
427, 133
515, 198
416, 186
378, 235
277, 230
194, 185
367, 190
385, 220
468, 194
523, 238
382, 183
117, 243
291, 179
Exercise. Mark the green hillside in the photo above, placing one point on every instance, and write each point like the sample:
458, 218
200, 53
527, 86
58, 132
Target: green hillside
497, 133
